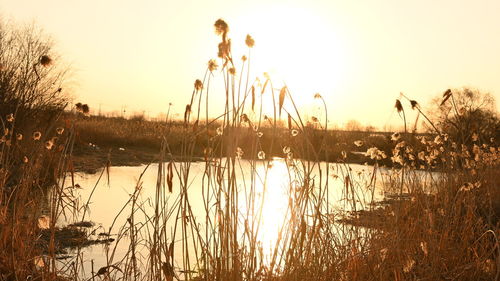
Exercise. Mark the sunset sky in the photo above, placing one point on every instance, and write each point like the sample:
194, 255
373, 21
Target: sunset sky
359, 55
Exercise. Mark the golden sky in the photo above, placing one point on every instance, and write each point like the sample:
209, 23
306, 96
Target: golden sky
359, 55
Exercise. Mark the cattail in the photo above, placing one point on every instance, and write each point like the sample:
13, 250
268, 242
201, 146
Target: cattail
253, 97
398, 105
249, 41
446, 95
414, 104
187, 112
282, 98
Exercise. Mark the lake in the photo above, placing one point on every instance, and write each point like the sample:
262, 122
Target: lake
269, 184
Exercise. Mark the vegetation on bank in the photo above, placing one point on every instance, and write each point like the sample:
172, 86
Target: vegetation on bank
431, 226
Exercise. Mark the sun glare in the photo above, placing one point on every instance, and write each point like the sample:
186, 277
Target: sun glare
297, 47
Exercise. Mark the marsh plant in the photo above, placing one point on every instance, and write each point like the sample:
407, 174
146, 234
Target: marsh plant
438, 219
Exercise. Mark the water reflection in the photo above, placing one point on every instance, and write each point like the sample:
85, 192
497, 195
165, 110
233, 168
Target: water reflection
266, 190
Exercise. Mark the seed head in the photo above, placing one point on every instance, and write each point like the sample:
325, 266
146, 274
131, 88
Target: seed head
317, 96
198, 85
86, 109
359, 143
49, 144
414, 104
286, 149
212, 65
261, 155
221, 27
398, 105
45, 60
239, 152
37, 135
232, 70
10, 117
249, 41
396, 136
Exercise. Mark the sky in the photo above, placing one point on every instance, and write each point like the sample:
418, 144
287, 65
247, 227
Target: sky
139, 56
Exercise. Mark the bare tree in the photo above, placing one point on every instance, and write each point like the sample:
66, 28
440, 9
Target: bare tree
30, 77
466, 115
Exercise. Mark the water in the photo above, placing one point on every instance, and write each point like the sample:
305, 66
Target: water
273, 182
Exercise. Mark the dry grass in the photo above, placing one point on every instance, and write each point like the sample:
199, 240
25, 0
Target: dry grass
441, 222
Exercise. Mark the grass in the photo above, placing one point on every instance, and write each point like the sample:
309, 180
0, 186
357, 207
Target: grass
439, 220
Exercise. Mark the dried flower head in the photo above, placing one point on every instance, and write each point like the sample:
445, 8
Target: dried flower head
286, 149
314, 119
475, 137
37, 135
25, 159
212, 65
219, 131
359, 143
244, 118
19, 136
45, 60
221, 27
244, 58
260, 134
396, 136
414, 104
224, 49
398, 105
198, 85
249, 41
294, 133
49, 144
232, 70
86, 109
239, 152
261, 155
317, 96
60, 130
10, 117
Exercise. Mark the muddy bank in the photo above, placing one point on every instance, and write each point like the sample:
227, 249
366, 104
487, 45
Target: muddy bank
89, 159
